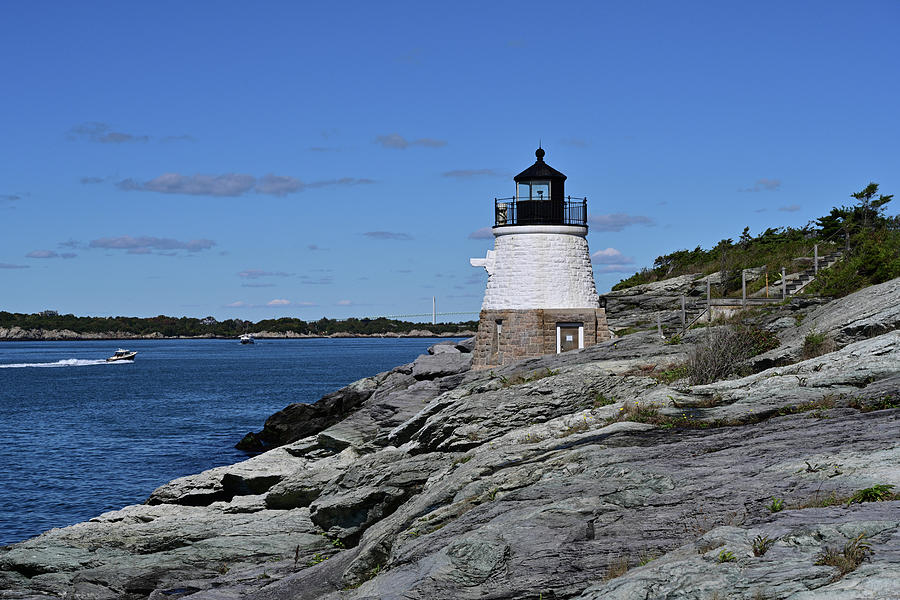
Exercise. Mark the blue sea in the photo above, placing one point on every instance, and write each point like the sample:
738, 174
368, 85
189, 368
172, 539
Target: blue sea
81, 436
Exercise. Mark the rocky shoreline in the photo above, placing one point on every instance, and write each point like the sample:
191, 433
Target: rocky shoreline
58, 335
537, 481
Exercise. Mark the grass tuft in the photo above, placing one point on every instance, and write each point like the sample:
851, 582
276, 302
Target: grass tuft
855, 552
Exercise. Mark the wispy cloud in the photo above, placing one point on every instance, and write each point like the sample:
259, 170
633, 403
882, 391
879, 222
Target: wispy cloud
278, 185
617, 221
610, 257
91, 180
316, 280
149, 244
395, 141
341, 181
257, 273
324, 149
790, 208
763, 185
278, 302
103, 133
9, 197
70, 244
467, 173
314, 247
485, 233
257, 285
387, 235
344, 303
611, 260
50, 254
10, 266
231, 184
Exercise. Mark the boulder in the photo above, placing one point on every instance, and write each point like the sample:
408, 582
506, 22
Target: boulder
430, 366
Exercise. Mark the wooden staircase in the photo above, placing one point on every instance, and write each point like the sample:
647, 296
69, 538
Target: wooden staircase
797, 282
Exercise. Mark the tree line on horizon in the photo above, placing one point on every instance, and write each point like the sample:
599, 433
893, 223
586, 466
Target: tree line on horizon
869, 241
210, 327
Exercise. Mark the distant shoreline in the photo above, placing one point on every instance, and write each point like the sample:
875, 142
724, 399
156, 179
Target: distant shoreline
71, 336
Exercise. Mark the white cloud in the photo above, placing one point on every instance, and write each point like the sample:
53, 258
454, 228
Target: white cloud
102, 133
790, 208
611, 256
231, 184
42, 254
344, 303
611, 260
278, 302
147, 244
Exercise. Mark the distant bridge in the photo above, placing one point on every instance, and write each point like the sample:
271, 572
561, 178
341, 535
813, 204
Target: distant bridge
440, 314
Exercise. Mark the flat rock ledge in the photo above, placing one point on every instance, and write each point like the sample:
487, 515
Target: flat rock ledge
434, 481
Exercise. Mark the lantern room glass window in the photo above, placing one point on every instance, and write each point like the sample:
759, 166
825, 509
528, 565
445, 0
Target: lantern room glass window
533, 190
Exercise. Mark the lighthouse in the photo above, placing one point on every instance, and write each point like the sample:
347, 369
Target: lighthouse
540, 296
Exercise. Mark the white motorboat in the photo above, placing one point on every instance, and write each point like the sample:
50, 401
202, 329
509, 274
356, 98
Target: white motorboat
246, 338
122, 355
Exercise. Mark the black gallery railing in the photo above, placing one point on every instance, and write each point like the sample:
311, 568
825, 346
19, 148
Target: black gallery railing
510, 211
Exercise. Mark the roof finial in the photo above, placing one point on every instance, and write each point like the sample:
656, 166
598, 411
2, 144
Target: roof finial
540, 151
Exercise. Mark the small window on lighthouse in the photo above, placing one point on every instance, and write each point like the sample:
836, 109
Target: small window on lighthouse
540, 190
498, 329
523, 191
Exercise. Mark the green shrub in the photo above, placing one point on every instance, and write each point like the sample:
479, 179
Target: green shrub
876, 493
726, 556
855, 552
777, 505
601, 400
817, 344
761, 545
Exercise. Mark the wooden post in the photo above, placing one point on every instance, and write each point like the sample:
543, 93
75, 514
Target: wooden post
743, 288
659, 327
783, 283
816, 259
683, 315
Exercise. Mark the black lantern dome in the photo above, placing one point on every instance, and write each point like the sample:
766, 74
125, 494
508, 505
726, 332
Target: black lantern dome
540, 181
540, 199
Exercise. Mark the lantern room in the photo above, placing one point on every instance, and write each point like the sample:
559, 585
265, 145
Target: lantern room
540, 199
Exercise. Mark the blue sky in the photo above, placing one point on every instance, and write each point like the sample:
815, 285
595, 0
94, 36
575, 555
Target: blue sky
337, 159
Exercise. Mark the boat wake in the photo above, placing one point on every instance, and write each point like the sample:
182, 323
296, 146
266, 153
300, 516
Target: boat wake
68, 362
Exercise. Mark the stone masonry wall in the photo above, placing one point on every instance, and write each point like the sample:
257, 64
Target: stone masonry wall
537, 270
530, 333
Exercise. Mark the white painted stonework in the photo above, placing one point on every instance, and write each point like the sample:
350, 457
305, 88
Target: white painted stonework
539, 266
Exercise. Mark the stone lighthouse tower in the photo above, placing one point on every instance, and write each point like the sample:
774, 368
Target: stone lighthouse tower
540, 297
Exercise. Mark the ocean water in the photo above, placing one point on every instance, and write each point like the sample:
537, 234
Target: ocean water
81, 436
